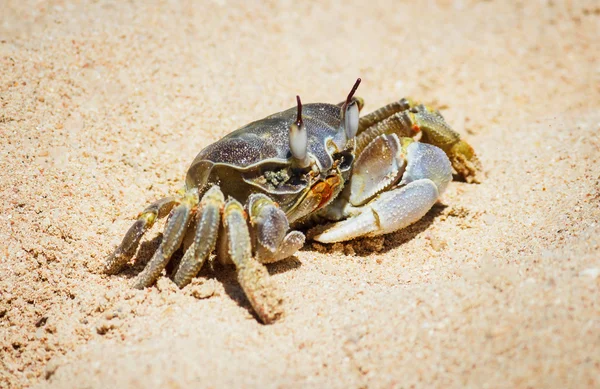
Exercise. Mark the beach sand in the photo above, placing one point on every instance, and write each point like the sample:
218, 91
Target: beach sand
103, 105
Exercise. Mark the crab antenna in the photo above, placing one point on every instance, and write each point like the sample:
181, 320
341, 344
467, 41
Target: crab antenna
354, 88
299, 139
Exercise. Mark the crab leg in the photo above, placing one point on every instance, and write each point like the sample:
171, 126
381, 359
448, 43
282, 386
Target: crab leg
205, 237
172, 237
398, 123
269, 226
383, 113
418, 118
427, 174
132, 238
252, 275
437, 132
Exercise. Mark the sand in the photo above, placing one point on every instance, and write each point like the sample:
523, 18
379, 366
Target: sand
103, 105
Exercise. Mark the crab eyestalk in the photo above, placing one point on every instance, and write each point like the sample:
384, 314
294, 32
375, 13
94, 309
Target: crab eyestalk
299, 140
350, 112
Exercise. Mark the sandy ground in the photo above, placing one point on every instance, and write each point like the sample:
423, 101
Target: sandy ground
104, 104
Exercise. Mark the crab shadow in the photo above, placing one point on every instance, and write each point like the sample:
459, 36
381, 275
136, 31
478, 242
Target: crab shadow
227, 276
142, 257
380, 245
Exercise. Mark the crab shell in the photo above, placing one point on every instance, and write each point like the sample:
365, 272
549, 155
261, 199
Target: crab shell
257, 159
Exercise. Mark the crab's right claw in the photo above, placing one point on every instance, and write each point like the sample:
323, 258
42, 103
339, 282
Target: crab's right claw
425, 178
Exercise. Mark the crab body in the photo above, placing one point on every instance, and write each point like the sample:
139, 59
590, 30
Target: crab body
317, 163
257, 159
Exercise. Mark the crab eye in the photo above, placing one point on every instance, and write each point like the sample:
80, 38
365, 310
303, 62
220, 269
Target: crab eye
351, 120
299, 137
350, 111
298, 141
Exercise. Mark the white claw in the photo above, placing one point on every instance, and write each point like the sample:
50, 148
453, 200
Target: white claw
427, 175
389, 212
378, 167
362, 224
427, 161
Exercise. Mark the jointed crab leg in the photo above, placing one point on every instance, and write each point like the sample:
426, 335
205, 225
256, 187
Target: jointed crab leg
132, 238
437, 132
434, 129
172, 237
252, 276
205, 237
383, 113
269, 226
399, 123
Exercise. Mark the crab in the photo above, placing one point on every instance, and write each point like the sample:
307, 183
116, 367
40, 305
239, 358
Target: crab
314, 164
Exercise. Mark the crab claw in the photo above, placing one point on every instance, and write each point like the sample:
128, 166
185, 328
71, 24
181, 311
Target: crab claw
427, 174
